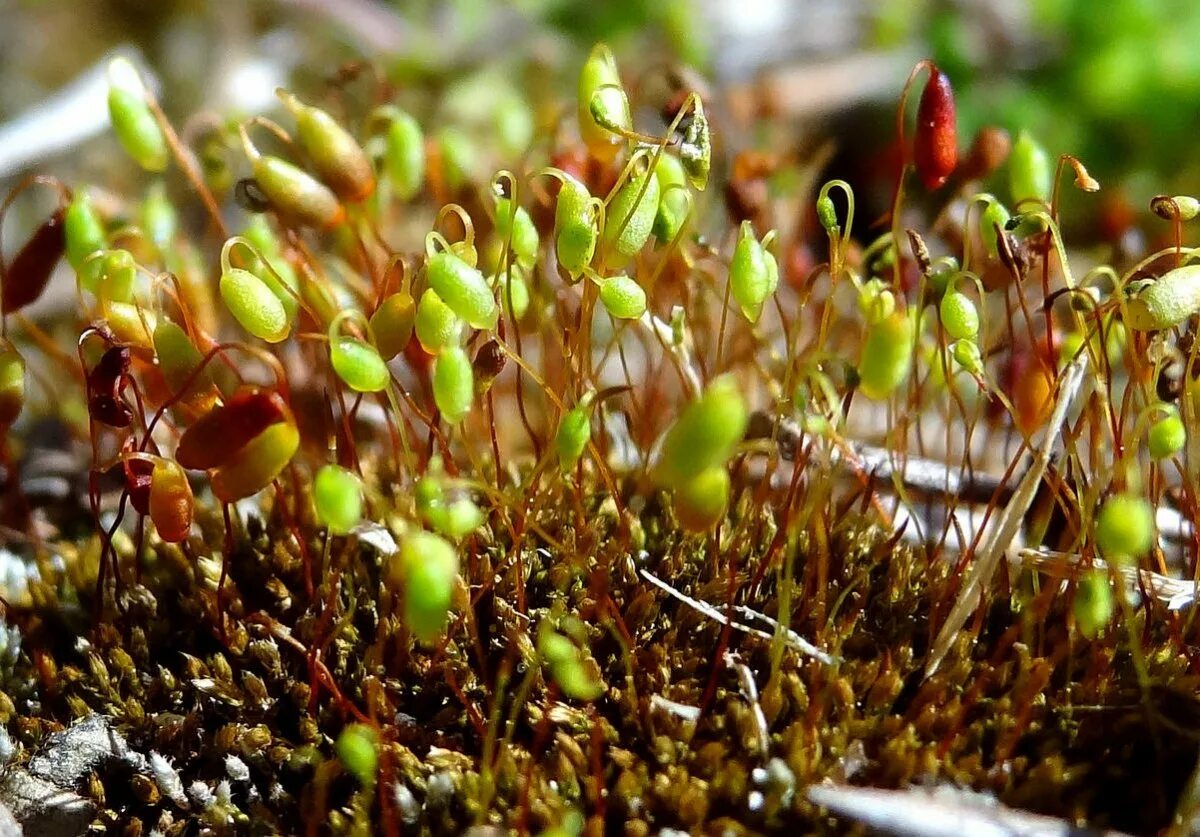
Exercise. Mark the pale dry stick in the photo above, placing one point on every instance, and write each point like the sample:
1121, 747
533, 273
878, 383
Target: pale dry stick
1173, 593
750, 692
793, 639
1009, 522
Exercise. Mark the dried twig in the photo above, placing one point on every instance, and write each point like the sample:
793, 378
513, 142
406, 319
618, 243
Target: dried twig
793, 639
1175, 593
1009, 522
750, 692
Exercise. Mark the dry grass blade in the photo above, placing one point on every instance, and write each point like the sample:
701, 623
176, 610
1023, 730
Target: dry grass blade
1174, 593
1010, 521
939, 812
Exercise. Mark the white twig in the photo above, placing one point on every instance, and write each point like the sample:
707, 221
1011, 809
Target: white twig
793, 639
750, 692
1010, 521
1175, 593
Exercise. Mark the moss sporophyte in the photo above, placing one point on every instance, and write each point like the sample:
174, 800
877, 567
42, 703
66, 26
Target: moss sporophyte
454, 455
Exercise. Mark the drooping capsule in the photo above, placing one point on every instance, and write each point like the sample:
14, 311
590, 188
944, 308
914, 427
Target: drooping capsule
453, 383
603, 106
12, 385
886, 356
85, 235
218, 437
704, 435
171, 504
338, 498
437, 326
629, 218
463, 289
516, 227
257, 464
392, 323
1093, 605
753, 273
935, 145
297, 196
178, 359
1165, 302
355, 361
427, 566
339, 161
252, 303
622, 297
574, 430
132, 120
674, 203
1030, 170
404, 154
575, 232
1167, 436
700, 501
958, 315
1125, 527
993, 218
30, 269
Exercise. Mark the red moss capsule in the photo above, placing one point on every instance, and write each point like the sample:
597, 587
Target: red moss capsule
105, 383
935, 146
220, 436
29, 273
137, 482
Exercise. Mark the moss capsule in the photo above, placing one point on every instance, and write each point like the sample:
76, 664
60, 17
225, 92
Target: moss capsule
574, 430
171, 504
565, 660
404, 155
1165, 302
753, 274
629, 217
437, 327
257, 464
85, 235
358, 364
30, 269
993, 217
12, 385
524, 235
453, 383
335, 155
967, 355
603, 105
935, 145
704, 435
338, 498
886, 356
1166, 437
700, 501
218, 437
959, 316
160, 219
131, 324
178, 358
674, 203
132, 120
514, 292
1030, 170
575, 232
428, 566
463, 289
252, 303
1125, 527
297, 196
622, 297
358, 750
1093, 604
392, 324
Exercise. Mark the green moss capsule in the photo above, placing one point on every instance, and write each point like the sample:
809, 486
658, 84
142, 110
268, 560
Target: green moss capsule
695, 149
700, 502
160, 219
85, 235
428, 567
270, 266
514, 292
459, 157
753, 274
453, 384
1125, 527
116, 276
436, 325
629, 217
132, 120
358, 750
603, 105
1167, 436
993, 216
567, 665
574, 431
674, 202
1166, 302
252, 303
357, 363
827, 214
959, 316
1093, 604
338, 498
12, 385
335, 155
704, 435
575, 233
622, 297
463, 289
524, 235
178, 358
1030, 170
392, 324
404, 154
886, 356
967, 355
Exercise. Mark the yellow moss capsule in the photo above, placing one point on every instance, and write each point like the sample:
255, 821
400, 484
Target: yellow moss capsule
392, 324
131, 324
335, 155
257, 464
886, 356
171, 502
700, 502
253, 304
12, 385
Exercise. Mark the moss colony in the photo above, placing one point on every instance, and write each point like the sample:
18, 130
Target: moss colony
391, 477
